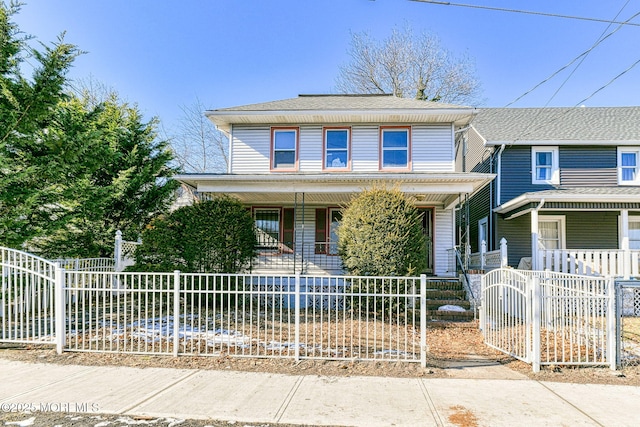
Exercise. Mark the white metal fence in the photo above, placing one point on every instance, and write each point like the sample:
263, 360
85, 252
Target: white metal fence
86, 264
314, 317
547, 318
243, 315
27, 298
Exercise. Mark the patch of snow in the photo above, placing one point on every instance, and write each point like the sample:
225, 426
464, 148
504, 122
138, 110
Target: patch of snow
450, 307
23, 423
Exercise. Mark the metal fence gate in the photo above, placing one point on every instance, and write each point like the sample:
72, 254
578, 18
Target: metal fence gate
27, 297
547, 318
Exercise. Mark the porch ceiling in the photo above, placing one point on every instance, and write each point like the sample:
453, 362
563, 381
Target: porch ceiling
437, 189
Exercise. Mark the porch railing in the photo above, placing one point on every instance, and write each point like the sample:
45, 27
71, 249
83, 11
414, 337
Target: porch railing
591, 262
308, 258
489, 260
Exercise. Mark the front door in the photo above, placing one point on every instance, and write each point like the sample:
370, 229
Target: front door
426, 215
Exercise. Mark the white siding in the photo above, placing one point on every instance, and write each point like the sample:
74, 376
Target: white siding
310, 149
251, 147
433, 148
364, 148
444, 239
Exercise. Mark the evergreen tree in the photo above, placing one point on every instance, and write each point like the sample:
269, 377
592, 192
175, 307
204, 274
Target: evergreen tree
381, 235
28, 184
72, 170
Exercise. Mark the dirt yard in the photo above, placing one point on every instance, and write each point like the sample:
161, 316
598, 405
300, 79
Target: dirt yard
448, 343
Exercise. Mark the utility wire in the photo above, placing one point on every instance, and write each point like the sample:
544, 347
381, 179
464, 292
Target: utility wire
583, 55
529, 12
602, 37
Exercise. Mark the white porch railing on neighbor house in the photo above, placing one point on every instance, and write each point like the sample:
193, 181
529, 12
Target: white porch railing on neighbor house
591, 262
489, 260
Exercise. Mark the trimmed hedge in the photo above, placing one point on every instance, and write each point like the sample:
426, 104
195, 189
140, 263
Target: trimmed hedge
214, 236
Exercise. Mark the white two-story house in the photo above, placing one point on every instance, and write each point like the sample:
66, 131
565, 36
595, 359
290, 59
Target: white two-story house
296, 162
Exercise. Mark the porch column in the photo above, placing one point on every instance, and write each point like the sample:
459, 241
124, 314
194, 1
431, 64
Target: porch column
534, 240
624, 242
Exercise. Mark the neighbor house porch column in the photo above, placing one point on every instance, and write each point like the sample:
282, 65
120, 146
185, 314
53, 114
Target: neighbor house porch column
534, 241
624, 242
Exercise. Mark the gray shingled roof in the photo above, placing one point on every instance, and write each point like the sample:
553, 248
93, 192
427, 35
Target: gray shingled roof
559, 124
342, 102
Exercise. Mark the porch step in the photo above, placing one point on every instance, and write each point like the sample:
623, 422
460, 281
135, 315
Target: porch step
441, 292
446, 295
445, 285
450, 316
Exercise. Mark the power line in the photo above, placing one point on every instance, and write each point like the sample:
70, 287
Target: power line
583, 55
528, 12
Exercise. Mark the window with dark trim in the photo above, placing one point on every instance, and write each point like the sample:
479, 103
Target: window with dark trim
275, 229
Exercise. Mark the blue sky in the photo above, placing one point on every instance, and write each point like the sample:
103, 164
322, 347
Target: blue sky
164, 54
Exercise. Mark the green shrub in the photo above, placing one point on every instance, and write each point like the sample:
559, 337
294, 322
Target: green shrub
381, 235
215, 236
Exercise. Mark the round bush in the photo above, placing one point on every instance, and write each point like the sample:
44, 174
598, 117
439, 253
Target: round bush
381, 235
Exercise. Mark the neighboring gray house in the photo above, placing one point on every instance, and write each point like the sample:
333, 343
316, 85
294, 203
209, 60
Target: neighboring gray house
296, 162
567, 191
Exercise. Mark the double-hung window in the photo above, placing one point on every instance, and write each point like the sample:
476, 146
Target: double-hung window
634, 232
544, 165
628, 166
551, 233
395, 148
284, 149
336, 148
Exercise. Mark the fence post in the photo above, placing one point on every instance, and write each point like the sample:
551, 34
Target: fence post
117, 251
297, 315
612, 321
536, 319
504, 256
483, 254
176, 312
59, 307
423, 320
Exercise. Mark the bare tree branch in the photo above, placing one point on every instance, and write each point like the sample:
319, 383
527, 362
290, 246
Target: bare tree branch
198, 146
408, 66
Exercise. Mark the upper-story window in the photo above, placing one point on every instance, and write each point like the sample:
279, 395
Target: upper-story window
544, 165
284, 149
628, 163
337, 143
395, 148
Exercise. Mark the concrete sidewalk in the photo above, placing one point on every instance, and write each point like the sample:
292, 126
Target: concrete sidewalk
348, 401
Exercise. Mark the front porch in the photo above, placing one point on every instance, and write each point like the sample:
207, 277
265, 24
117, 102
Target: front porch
297, 215
588, 231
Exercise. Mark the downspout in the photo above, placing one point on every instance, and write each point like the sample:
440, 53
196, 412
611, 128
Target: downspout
499, 176
534, 236
230, 149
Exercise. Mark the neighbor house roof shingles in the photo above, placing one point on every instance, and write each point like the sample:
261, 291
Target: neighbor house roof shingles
504, 125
